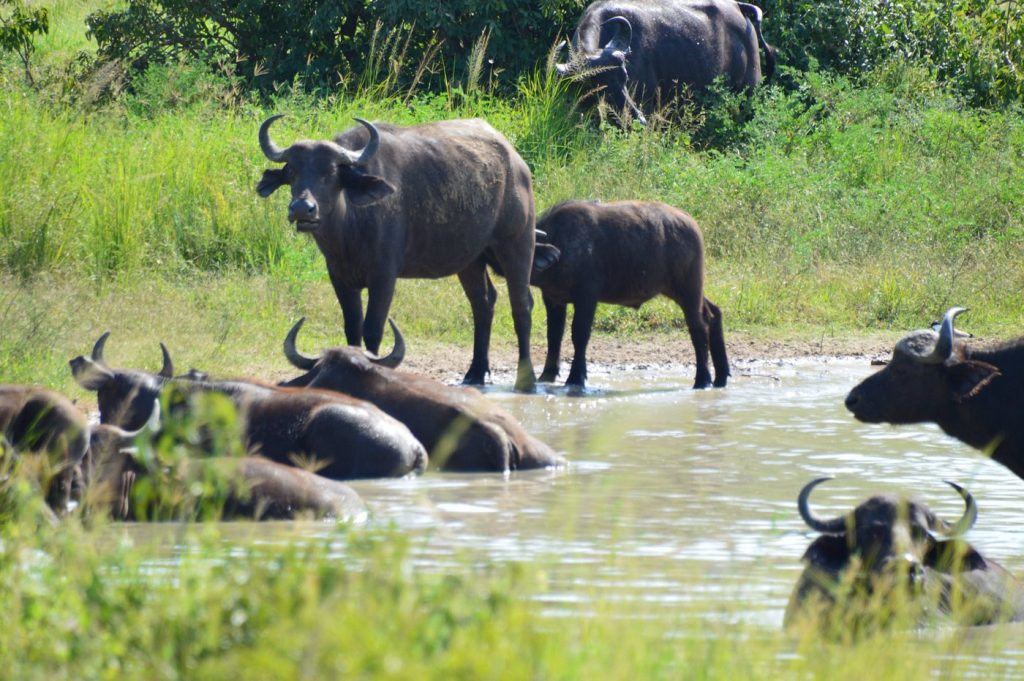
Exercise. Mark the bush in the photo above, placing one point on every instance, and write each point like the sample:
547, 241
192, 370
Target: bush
977, 46
322, 44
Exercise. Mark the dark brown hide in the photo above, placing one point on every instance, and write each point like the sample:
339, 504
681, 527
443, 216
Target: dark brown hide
259, 489
895, 543
625, 253
434, 200
975, 394
348, 438
461, 429
656, 48
40, 421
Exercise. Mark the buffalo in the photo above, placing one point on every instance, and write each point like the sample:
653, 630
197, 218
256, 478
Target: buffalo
41, 421
345, 437
254, 487
891, 552
426, 201
623, 253
974, 394
461, 429
657, 47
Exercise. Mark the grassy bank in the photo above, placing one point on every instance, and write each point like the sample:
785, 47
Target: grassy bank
835, 207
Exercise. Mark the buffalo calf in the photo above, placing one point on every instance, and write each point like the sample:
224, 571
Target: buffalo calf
623, 253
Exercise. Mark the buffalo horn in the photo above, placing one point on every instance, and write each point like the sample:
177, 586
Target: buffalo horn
297, 359
617, 43
167, 370
126, 436
97, 349
969, 517
271, 150
397, 353
944, 346
834, 526
362, 157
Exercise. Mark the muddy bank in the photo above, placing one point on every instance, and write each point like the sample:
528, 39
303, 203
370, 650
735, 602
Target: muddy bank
606, 352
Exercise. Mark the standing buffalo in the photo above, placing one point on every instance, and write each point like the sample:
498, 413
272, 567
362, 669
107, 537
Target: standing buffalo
975, 395
345, 437
426, 201
461, 429
656, 47
623, 253
887, 552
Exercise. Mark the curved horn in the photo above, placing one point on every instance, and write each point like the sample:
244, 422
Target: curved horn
969, 517
271, 150
397, 353
167, 370
362, 157
617, 43
298, 360
97, 349
834, 526
944, 346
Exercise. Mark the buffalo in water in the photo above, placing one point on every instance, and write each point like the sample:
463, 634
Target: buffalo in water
345, 437
890, 552
974, 394
36, 420
461, 429
650, 49
623, 253
426, 201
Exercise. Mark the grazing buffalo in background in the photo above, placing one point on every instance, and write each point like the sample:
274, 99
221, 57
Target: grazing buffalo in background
657, 47
976, 395
426, 201
461, 429
888, 549
41, 421
346, 437
623, 253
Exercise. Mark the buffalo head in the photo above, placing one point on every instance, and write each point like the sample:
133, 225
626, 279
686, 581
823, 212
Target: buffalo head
124, 397
606, 66
324, 176
888, 535
339, 357
928, 377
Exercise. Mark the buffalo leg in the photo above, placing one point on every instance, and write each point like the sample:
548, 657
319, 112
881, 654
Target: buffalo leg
556, 330
582, 323
351, 302
716, 337
482, 295
377, 305
693, 309
517, 273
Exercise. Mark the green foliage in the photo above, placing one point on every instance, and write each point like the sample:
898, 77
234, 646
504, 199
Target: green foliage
976, 46
18, 26
324, 44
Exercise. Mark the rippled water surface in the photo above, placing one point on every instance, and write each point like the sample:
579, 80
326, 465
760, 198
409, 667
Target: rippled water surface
688, 497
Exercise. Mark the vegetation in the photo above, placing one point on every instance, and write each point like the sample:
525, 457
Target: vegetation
864, 191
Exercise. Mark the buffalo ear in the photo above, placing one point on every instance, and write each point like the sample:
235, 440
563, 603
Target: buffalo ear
544, 256
271, 180
969, 378
362, 189
90, 374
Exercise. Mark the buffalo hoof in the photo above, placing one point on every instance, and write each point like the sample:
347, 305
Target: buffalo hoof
702, 383
720, 382
548, 376
476, 375
526, 382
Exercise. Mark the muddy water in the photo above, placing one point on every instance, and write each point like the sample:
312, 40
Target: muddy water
687, 498
681, 500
